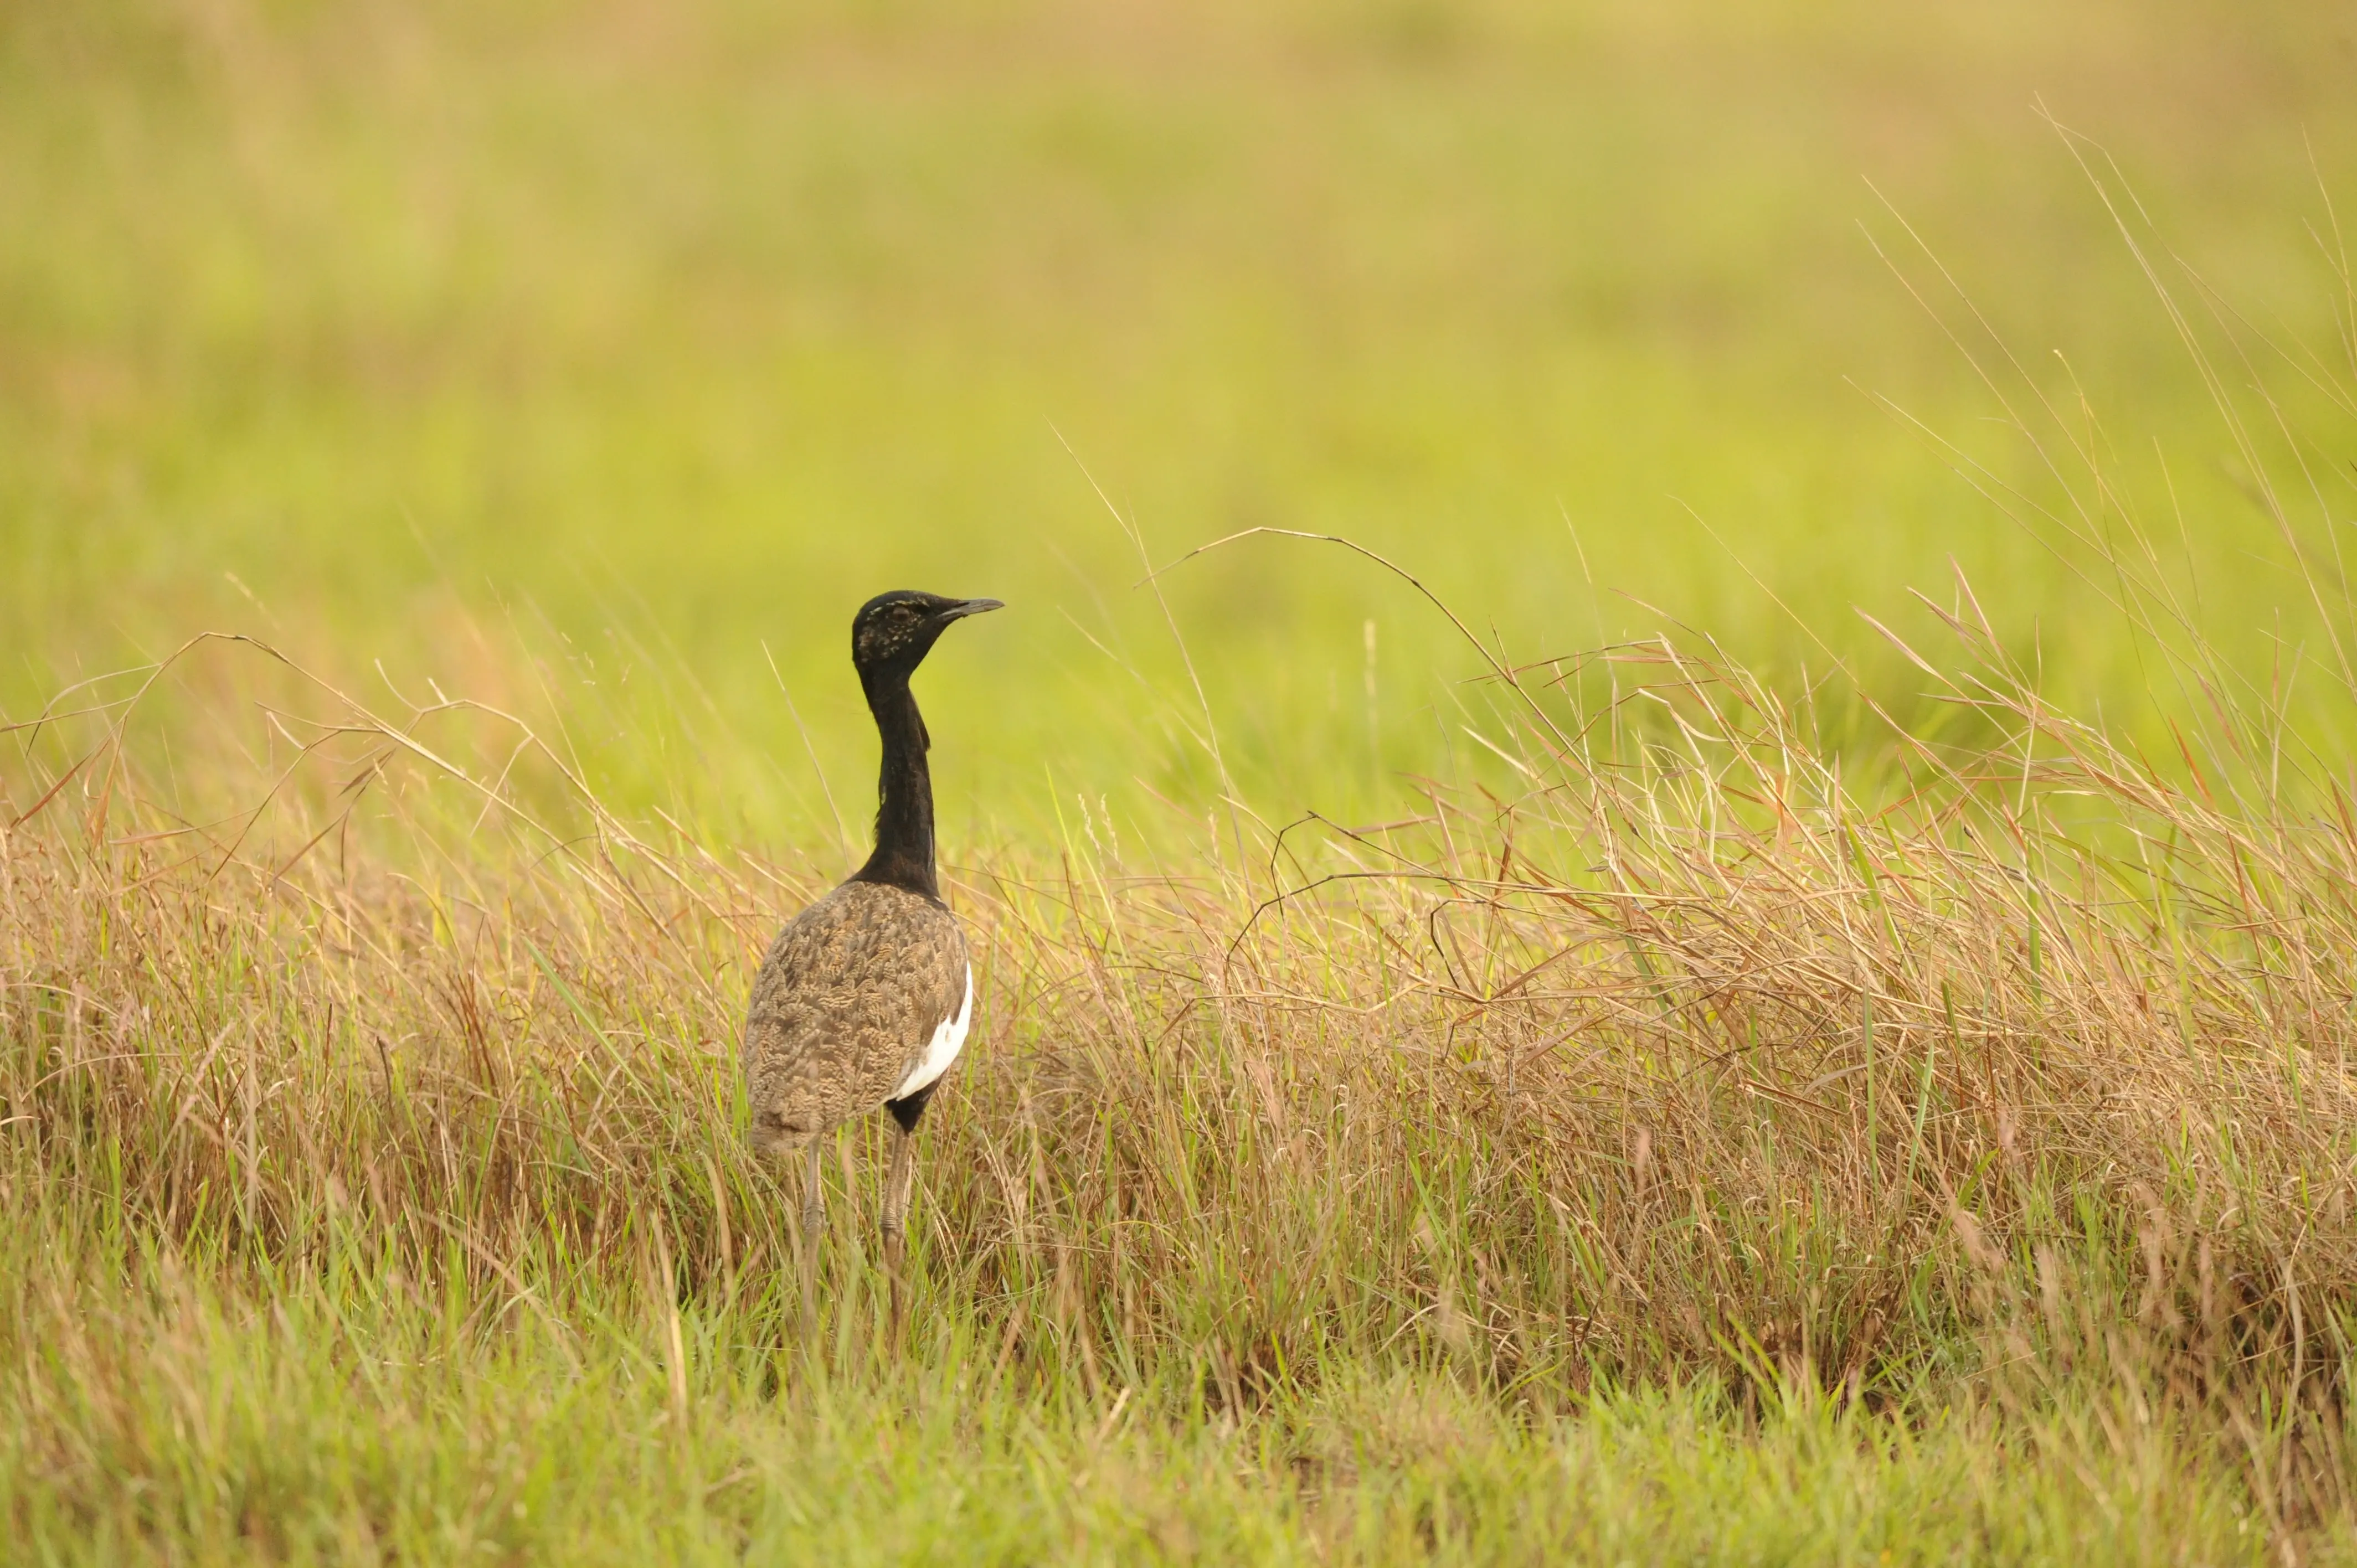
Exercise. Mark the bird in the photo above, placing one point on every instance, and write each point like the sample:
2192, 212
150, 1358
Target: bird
865, 997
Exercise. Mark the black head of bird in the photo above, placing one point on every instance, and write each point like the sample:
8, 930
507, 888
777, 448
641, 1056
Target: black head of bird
893, 633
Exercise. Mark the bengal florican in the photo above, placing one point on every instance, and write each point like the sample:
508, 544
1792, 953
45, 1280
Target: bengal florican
865, 998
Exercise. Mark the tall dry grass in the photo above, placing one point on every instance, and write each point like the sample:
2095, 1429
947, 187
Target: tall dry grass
1715, 1026
2016, 1077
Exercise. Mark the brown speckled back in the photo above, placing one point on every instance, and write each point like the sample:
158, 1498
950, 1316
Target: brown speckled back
845, 1001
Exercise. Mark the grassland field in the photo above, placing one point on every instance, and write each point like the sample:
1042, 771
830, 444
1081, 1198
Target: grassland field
1760, 969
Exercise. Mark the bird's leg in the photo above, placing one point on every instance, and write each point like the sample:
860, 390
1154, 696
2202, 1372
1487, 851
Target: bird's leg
814, 1193
895, 1217
813, 1217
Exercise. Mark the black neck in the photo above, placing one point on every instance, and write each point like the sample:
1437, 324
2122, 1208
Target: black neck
904, 812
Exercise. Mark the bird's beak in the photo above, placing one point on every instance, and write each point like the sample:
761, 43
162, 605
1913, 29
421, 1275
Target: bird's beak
970, 608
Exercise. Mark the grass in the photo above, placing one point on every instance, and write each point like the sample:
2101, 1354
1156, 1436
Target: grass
1814, 1087
671, 331
1675, 1143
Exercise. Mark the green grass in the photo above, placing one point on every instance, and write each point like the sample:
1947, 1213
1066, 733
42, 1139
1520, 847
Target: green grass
271, 1435
678, 330
1766, 1095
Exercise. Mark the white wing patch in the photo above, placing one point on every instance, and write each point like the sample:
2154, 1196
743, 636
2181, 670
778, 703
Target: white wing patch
943, 1047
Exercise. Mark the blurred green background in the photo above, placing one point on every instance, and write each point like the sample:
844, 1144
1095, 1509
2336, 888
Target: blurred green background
650, 336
